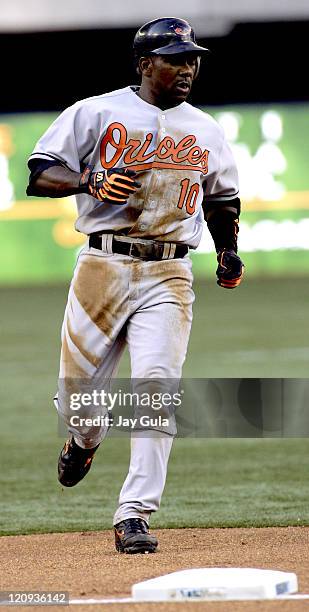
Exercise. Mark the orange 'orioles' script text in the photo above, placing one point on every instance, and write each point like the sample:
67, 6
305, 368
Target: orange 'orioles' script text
182, 156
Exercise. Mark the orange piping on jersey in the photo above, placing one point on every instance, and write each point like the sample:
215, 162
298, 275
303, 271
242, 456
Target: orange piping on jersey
133, 151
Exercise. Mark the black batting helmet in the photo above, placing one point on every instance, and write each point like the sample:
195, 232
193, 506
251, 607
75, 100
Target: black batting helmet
165, 36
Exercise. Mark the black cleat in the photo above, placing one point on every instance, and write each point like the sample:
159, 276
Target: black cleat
74, 463
132, 536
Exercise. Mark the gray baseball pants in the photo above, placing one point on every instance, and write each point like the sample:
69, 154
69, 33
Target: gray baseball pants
116, 300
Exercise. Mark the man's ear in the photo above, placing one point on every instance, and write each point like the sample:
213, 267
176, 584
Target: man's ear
145, 66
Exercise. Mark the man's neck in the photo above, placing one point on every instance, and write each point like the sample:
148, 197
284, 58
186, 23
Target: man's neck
147, 95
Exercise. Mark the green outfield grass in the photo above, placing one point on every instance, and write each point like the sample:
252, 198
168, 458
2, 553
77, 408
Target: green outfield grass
260, 330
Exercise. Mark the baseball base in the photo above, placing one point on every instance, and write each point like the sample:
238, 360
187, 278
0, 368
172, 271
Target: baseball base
216, 584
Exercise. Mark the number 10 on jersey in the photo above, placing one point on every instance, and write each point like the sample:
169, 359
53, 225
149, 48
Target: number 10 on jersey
188, 196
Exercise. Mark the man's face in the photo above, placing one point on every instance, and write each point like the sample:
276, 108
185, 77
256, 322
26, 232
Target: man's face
171, 76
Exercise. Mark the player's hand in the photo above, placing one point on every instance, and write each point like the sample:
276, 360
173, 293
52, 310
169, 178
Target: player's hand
230, 269
113, 186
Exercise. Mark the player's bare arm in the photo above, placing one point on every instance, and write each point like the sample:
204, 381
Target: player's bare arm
57, 181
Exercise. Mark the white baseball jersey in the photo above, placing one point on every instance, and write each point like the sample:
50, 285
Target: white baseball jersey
180, 155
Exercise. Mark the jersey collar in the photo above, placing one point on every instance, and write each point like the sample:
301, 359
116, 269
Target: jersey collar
135, 88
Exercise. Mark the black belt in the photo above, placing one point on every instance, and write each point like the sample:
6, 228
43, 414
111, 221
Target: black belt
146, 249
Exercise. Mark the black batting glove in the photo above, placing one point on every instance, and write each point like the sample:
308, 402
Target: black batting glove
230, 269
113, 186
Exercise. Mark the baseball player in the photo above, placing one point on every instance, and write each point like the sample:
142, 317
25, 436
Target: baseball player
147, 168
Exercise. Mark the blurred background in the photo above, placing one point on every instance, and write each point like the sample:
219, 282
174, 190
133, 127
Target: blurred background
255, 84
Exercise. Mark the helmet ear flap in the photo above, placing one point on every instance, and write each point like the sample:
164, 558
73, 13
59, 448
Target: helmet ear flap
136, 64
197, 67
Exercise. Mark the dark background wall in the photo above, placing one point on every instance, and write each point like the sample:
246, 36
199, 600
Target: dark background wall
256, 62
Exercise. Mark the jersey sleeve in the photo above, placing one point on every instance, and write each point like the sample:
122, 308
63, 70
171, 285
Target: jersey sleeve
223, 184
68, 140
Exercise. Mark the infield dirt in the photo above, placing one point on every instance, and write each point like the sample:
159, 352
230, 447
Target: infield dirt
87, 565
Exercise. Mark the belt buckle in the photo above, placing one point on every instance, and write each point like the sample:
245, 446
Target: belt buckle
141, 250
136, 250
